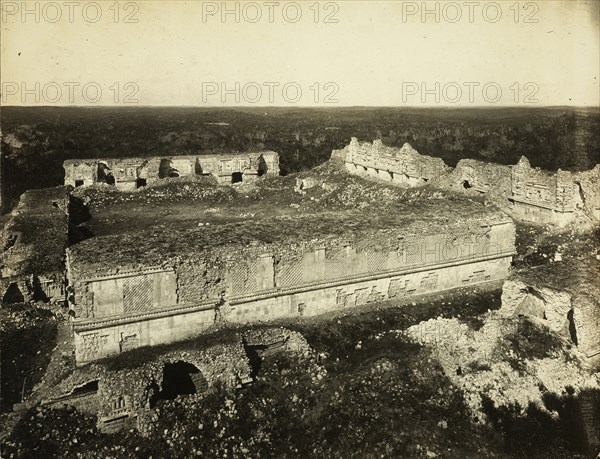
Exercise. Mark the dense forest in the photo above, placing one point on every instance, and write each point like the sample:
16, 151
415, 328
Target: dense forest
35, 141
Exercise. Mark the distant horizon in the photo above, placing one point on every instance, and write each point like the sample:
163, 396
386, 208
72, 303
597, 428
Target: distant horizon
313, 107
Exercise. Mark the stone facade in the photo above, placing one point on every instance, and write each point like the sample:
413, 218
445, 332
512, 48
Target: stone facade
526, 193
132, 173
480, 176
123, 397
403, 166
543, 197
116, 312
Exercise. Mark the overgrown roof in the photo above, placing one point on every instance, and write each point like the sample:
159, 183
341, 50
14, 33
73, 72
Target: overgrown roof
36, 235
186, 218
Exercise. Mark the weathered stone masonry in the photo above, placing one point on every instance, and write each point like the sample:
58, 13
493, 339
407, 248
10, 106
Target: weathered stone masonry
404, 166
525, 192
132, 173
119, 311
554, 198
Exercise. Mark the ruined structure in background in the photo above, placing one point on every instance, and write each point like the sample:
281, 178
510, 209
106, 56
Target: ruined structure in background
34, 240
545, 197
132, 173
402, 166
526, 193
151, 297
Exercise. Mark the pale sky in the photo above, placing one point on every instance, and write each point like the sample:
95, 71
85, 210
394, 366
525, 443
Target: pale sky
369, 53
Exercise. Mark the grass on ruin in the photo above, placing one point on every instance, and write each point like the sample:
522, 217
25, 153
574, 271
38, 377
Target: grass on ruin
337, 334
578, 271
399, 406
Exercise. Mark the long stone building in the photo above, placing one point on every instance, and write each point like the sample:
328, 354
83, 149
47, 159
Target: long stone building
403, 166
208, 277
132, 173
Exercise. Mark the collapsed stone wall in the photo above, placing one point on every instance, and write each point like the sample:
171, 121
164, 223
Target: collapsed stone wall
123, 394
537, 344
588, 186
575, 317
33, 245
470, 176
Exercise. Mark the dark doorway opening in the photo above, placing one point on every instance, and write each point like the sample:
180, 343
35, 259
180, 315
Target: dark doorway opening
237, 177
38, 290
166, 169
254, 354
104, 174
180, 378
262, 166
198, 168
163, 169
13, 294
140, 182
78, 183
572, 329
581, 202
466, 185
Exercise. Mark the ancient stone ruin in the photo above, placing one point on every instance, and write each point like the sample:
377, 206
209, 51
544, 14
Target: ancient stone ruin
116, 310
554, 198
124, 396
404, 166
143, 296
526, 193
127, 291
132, 173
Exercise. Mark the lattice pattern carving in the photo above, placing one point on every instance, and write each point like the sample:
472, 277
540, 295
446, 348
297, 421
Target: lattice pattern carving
138, 293
376, 261
243, 278
291, 274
